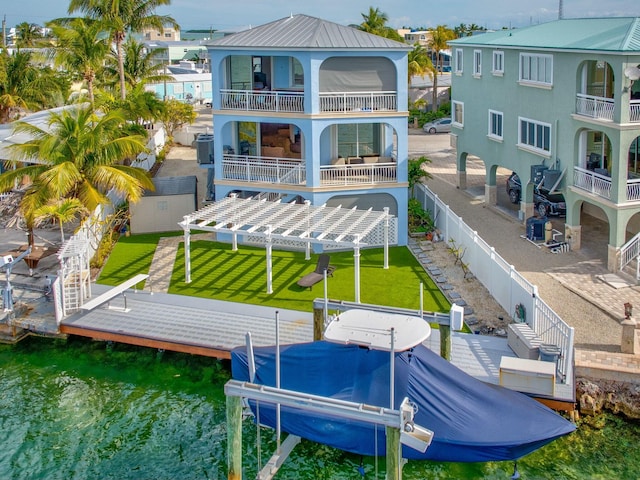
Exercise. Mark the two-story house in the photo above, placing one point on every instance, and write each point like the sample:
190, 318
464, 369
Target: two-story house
309, 110
563, 95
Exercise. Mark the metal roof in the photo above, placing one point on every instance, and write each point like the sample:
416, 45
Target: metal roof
305, 32
317, 224
613, 34
173, 186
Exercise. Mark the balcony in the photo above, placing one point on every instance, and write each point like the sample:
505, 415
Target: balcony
245, 168
602, 107
262, 100
281, 171
600, 185
358, 102
365, 174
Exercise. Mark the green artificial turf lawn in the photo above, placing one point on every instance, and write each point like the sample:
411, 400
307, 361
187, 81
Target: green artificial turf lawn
219, 273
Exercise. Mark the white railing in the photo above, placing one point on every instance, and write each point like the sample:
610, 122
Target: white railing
633, 189
592, 182
357, 102
263, 170
600, 185
634, 111
595, 107
508, 287
262, 100
365, 174
629, 252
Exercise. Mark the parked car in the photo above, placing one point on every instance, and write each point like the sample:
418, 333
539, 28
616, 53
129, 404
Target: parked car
207, 102
438, 126
546, 203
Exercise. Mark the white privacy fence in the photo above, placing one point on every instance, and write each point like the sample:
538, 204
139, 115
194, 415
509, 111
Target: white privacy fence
509, 288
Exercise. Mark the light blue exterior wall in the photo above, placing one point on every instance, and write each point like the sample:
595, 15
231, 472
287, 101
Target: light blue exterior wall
315, 126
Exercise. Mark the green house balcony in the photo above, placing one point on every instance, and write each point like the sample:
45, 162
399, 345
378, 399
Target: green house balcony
285, 171
602, 108
600, 185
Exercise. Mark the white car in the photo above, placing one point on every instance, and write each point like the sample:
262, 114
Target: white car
207, 102
437, 126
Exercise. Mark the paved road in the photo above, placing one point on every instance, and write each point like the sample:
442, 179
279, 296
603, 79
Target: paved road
567, 282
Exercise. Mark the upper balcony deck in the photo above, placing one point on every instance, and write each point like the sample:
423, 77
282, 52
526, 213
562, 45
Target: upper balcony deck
282, 101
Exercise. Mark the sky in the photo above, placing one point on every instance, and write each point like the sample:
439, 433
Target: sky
231, 16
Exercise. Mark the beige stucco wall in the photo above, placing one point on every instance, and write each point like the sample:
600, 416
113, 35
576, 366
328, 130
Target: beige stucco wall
160, 213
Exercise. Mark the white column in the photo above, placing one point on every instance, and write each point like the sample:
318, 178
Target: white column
187, 253
356, 260
386, 238
307, 252
269, 250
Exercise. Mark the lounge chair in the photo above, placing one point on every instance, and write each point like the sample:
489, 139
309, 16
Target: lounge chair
310, 279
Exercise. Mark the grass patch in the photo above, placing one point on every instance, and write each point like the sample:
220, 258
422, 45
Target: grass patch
130, 256
219, 273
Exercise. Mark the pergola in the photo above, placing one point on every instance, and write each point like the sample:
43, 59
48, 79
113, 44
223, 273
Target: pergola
321, 225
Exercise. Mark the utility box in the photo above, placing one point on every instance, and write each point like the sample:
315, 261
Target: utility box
550, 178
535, 228
524, 342
204, 148
528, 376
537, 173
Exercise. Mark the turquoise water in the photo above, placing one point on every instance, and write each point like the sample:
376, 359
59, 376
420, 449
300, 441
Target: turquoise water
88, 410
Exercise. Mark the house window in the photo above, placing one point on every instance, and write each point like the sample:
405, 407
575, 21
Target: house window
536, 68
498, 62
457, 113
167, 34
477, 63
535, 135
458, 65
495, 124
296, 73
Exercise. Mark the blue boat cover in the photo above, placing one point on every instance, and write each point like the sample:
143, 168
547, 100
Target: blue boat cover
472, 421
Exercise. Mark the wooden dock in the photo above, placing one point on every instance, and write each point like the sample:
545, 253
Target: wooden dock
187, 324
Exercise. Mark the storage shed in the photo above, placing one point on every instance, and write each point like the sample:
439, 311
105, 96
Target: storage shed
162, 209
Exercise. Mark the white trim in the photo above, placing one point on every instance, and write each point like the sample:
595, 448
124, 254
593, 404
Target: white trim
454, 120
490, 133
477, 63
541, 63
459, 61
533, 147
497, 54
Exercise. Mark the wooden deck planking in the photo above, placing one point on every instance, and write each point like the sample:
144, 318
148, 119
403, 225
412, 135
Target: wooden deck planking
213, 328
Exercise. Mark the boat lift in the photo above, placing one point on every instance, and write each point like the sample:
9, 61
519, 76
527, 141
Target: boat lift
348, 327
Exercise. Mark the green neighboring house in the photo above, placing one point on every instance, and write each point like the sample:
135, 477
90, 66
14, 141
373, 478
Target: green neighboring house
563, 95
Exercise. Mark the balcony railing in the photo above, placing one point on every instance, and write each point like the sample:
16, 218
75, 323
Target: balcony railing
263, 170
595, 107
600, 185
356, 102
366, 174
268, 101
634, 111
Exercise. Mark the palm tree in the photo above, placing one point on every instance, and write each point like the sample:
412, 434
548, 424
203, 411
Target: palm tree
120, 17
81, 47
439, 38
78, 156
27, 86
375, 22
28, 35
419, 63
64, 210
140, 66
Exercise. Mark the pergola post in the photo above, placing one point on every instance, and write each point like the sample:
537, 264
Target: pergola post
187, 250
385, 230
269, 266
356, 261
307, 252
